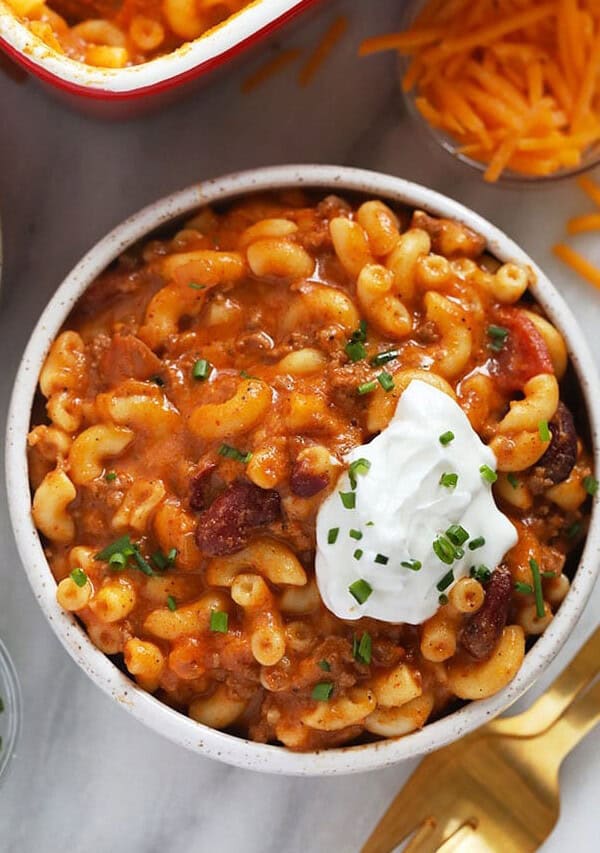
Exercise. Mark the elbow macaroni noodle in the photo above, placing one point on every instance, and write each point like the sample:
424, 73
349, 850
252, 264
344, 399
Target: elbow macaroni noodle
241, 363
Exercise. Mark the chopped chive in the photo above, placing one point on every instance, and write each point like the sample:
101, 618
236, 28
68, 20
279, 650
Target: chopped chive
360, 590
480, 573
370, 524
117, 561
474, 544
110, 476
548, 574
172, 556
544, 430
523, 588
445, 582
195, 286
324, 665
573, 530
386, 380
512, 479
359, 466
537, 588
158, 380
498, 335
449, 480
79, 577
230, 452
444, 550
382, 559
201, 369
142, 564
366, 387
488, 474
360, 334
219, 620
413, 565
384, 357
355, 534
355, 350
348, 499
590, 484
358, 554
332, 535
161, 562
171, 603
361, 649
443, 598
457, 534
446, 438
322, 691
123, 545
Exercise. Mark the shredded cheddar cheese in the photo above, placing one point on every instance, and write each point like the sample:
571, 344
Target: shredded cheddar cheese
270, 69
578, 225
578, 263
322, 50
515, 82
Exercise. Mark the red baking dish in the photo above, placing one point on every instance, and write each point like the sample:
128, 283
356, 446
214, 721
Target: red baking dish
124, 92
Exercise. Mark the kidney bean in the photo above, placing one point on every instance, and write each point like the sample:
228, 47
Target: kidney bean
558, 461
483, 630
304, 482
226, 525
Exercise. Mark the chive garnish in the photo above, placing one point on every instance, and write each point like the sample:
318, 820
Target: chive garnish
370, 524
523, 588
366, 387
230, 452
544, 430
476, 543
361, 649
358, 554
537, 588
163, 562
324, 665
443, 598
348, 499
171, 603
384, 357
413, 565
117, 555
386, 380
332, 535
119, 546
480, 573
590, 484
488, 474
445, 582
444, 550
79, 577
548, 574
457, 534
142, 564
195, 286
360, 590
512, 479
359, 466
110, 476
573, 530
219, 620
446, 438
498, 335
449, 480
117, 561
322, 691
201, 369
382, 559
355, 534
355, 350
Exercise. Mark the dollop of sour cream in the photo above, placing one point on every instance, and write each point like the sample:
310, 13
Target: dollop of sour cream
389, 509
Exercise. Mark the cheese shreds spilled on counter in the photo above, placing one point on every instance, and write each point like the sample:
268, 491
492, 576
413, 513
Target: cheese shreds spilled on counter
395, 533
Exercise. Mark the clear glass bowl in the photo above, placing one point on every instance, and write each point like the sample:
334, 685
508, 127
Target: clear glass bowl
590, 159
10, 717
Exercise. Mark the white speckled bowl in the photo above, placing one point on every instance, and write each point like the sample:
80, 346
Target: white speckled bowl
142, 705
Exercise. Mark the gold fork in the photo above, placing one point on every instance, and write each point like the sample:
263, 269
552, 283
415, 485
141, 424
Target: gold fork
497, 789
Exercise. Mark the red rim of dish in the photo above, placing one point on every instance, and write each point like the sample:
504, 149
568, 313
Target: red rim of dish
215, 62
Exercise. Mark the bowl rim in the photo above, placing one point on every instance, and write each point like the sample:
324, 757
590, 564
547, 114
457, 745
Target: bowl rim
192, 59
175, 726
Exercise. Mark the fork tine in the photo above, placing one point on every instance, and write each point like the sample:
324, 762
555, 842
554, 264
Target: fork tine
547, 709
465, 840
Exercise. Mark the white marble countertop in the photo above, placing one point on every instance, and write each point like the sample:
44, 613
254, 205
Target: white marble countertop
87, 777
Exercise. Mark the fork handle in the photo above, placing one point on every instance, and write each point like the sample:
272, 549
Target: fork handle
576, 722
548, 708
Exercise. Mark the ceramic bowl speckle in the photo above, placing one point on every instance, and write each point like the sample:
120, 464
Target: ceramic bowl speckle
101, 670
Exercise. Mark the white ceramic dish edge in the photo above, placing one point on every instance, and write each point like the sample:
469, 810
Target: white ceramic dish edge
101, 670
242, 26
